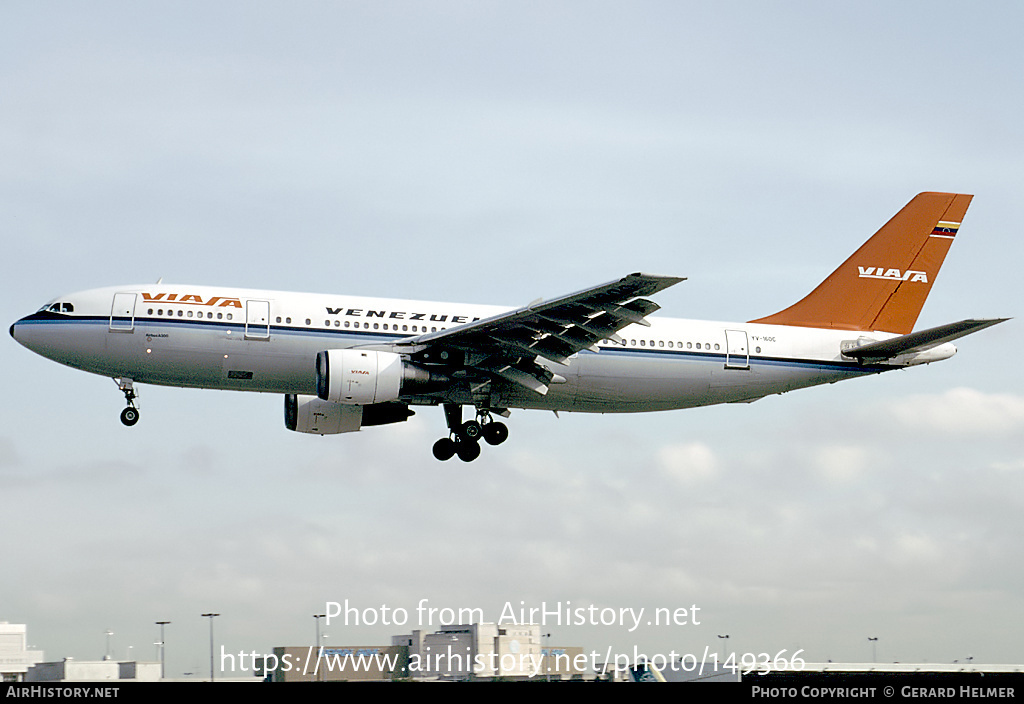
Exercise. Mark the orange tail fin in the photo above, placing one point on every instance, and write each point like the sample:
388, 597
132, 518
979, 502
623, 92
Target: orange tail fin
884, 284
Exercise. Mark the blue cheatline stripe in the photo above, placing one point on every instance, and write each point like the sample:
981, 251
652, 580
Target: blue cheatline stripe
689, 355
389, 336
147, 322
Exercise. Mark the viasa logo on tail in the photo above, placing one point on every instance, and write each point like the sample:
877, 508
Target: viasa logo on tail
880, 272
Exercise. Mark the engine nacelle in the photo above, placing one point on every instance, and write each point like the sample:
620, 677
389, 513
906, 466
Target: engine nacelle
309, 414
365, 377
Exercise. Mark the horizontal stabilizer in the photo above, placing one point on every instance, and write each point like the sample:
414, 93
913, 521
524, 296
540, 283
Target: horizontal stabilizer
920, 341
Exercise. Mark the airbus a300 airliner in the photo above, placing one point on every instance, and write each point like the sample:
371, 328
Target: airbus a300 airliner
344, 362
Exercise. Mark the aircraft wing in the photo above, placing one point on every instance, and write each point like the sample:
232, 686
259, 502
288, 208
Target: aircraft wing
508, 344
919, 341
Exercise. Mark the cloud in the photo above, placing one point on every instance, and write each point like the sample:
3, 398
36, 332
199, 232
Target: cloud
960, 411
687, 463
841, 464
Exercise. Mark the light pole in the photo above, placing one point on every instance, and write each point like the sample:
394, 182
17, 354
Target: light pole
107, 655
211, 617
163, 672
874, 646
316, 618
725, 645
546, 658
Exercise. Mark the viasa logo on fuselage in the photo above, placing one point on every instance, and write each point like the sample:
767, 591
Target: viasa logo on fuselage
879, 272
192, 300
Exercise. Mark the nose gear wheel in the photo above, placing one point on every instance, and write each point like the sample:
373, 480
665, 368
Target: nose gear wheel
130, 415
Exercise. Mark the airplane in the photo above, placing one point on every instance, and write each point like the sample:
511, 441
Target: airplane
343, 362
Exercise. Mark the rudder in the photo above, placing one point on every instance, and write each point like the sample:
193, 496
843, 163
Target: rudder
884, 284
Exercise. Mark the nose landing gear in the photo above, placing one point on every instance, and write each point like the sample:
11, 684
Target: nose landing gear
464, 438
130, 415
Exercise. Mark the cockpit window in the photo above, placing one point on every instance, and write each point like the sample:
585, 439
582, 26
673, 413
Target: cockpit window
59, 307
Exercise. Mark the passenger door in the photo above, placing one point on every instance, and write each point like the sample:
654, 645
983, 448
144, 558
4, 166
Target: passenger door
257, 320
737, 354
122, 312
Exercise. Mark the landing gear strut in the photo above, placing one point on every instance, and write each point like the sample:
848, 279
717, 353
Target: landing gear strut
130, 415
464, 438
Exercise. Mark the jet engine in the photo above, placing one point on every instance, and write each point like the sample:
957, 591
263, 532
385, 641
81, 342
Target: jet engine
364, 377
309, 414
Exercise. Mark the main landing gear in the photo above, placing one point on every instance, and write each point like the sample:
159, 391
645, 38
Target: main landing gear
130, 415
464, 438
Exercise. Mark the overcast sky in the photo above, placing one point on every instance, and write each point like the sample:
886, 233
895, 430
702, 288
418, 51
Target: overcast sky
496, 153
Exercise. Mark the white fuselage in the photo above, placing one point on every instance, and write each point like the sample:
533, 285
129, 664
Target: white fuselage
267, 341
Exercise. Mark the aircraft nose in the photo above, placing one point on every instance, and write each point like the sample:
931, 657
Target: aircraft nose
17, 330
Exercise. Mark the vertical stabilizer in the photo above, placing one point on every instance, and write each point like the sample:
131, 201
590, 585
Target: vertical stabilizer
884, 284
